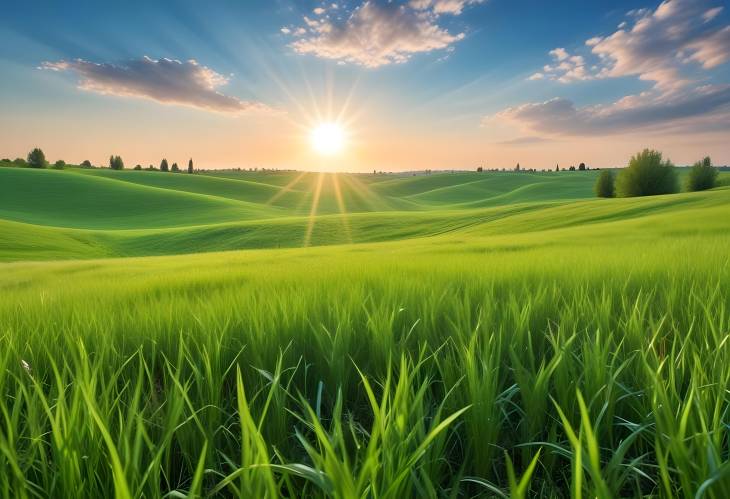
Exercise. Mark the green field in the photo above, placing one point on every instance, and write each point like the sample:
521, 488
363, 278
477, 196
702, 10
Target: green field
266, 334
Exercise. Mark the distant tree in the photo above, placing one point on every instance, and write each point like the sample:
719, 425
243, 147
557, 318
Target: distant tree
59, 165
175, 168
190, 166
20, 162
605, 187
702, 176
138, 167
86, 164
163, 166
36, 159
116, 163
517, 168
647, 175
572, 168
151, 168
480, 169
557, 168
582, 167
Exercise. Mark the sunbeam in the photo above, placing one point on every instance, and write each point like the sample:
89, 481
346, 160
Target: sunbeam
341, 206
287, 188
313, 210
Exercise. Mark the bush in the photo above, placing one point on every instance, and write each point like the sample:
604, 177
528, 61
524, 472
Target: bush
116, 163
702, 176
138, 167
605, 187
59, 165
647, 175
36, 159
86, 164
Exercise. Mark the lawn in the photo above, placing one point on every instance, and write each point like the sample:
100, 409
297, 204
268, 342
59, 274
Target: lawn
451, 335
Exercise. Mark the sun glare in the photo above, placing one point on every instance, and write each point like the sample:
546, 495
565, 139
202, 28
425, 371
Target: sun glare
328, 138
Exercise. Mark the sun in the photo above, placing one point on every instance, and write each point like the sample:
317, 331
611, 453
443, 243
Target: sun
327, 138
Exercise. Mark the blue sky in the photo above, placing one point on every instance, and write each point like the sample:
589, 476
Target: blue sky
422, 83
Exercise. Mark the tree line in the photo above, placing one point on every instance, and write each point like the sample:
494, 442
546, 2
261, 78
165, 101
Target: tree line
37, 159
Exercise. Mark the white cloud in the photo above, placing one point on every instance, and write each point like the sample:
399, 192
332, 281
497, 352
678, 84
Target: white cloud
454, 7
651, 45
163, 80
379, 32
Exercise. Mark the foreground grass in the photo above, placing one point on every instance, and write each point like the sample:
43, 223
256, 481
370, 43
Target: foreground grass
587, 360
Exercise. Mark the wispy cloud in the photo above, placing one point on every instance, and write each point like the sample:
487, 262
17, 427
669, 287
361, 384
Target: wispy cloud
378, 32
166, 81
559, 116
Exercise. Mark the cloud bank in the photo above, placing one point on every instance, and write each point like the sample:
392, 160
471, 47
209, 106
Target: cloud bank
162, 80
658, 46
378, 32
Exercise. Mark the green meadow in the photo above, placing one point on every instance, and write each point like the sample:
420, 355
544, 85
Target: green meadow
280, 334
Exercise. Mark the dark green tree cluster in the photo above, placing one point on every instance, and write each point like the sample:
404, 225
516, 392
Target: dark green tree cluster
163, 165
36, 159
702, 176
605, 185
116, 163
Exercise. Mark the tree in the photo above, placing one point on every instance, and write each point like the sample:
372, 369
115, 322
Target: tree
138, 167
86, 164
36, 159
605, 187
163, 166
190, 166
116, 163
175, 169
557, 168
517, 168
572, 168
647, 175
59, 165
480, 169
582, 167
702, 176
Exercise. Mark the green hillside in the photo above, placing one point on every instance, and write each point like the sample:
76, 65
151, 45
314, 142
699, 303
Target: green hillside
79, 213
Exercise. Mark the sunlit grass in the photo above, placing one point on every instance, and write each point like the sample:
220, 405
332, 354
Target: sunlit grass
436, 368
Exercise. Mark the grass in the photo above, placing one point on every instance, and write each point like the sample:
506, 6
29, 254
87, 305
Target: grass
562, 347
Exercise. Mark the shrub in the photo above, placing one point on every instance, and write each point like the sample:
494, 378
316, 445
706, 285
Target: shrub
605, 187
86, 164
59, 165
702, 176
138, 167
647, 175
36, 159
